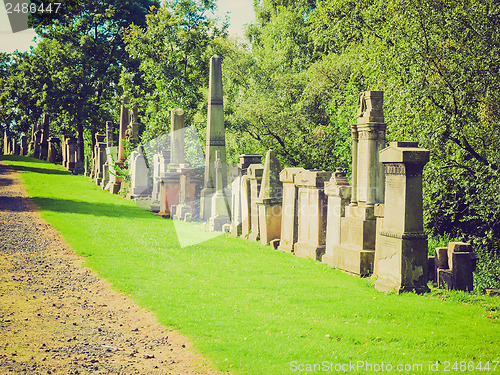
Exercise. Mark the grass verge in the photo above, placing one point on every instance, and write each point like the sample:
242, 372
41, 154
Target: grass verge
254, 310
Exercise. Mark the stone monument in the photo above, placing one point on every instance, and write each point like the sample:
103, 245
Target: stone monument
139, 175
124, 118
312, 206
289, 213
401, 249
216, 138
254, 176
356, 251
220, 209
270, 200
338, 191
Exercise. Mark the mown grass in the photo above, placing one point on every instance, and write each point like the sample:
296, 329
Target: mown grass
251, 309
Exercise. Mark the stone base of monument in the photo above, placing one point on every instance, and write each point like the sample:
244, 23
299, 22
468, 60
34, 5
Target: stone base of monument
216, 223
155, 206
402, 262
308, 251
181, 211
269, 219
353, 260
235, 230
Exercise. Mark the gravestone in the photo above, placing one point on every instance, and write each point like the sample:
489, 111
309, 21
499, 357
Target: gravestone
401, 249
289, 213
71, 153
184, 210
6, 143
356, 251
24, 145
246, 217
237, 194
139, 175
15, 147
170, 181
79, 162
338, 191
455, 265
122, 136
160, 164
31, 145
38, 138
64, 149
220, 208
312, 206
254, 176
52, 150
109, 155
270, 200
216, 138
132, 132
44, 140
100, 158
86, 164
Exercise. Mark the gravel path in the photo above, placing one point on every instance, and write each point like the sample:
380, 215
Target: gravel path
58, 317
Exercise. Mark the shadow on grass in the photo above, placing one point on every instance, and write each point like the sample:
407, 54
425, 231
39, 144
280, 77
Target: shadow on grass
96, 209
22, 158
20, 168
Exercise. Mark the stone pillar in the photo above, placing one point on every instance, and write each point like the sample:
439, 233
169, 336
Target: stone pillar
139, 175
246, 217
79, 162
401, 253
64, 151
124, 117
312, 205
71, 153
132, 132
216, 138
160, 163
254, 175
270, 200
237, 193
338, 192
6, 143
109, 143
220, 208
355, 253
100, 158
38, 138
86, 165
16, 150
52, 149
289, 213
24, 145
184, 210
44, 141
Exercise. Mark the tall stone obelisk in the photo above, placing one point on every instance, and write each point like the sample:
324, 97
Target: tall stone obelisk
124, 118
216, 138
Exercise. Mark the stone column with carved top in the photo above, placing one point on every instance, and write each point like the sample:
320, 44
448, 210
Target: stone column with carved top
216, 138
401, 251
355, 253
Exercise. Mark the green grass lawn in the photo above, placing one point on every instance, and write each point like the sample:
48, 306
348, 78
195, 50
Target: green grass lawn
254, 310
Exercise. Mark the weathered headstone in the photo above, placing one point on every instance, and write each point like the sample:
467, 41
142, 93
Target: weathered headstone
312, 206
139, 175
24, 145
100, 157
455, 266
220, 208
401, 250
52, 150
216, 138
184, 210
86, 165
132, 132
71, 153
79, 157
160, 163
270, 200
236, 193
16, 150
109, 154
44, 140
355, 254
338, 191
289, 213
254, 175
38, 137
122, 136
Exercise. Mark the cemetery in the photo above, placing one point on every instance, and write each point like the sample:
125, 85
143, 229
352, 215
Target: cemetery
323, 199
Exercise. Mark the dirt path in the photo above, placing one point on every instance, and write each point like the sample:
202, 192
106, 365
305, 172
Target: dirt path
57, 317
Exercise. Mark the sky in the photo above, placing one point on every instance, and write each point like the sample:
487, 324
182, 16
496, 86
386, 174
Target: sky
240, 13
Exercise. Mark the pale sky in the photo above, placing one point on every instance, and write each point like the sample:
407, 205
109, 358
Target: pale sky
240, 13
